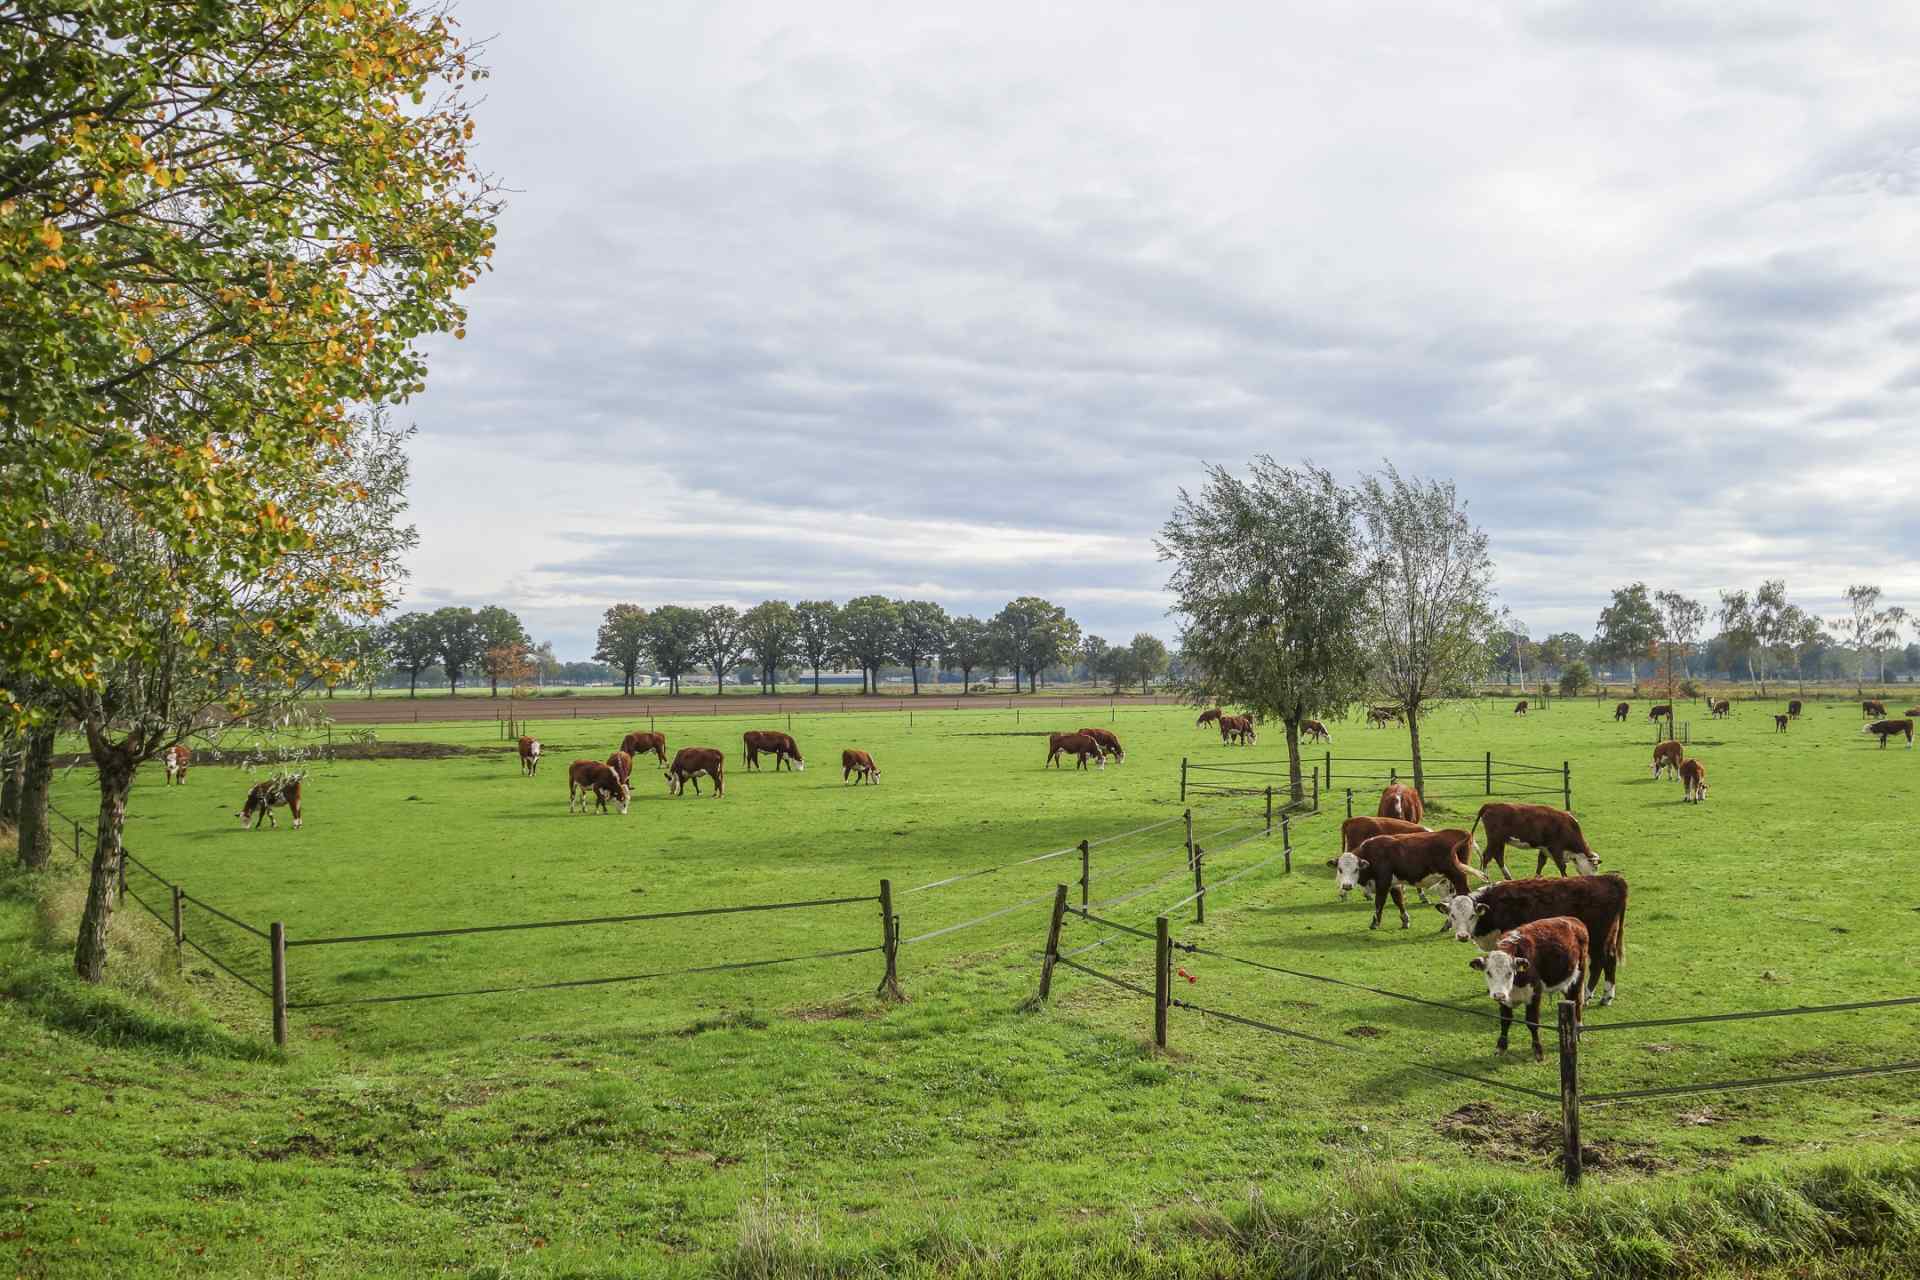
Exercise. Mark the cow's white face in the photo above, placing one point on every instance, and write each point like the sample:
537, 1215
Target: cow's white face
799, 764
1587, 864
533, 748
1507, 975
673, 783
1463, 915
1346, 872
626, 794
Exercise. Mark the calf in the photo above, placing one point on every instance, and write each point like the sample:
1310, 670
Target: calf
1667, 757
1598, 902
689, 763
1314, 731
1620, 711
1207, 717
641, 741
177, 758
1079, 746
1693, 778
1780, 724
1520, 707
780, 745
529, 757
267, 796
1398, 800
1552, 832
859, 766
1542, 956
1871, 708
1720, 707
589, 780
622, 765
1889, 728
1419, 858
1662, 712
1109, 743
1793, 708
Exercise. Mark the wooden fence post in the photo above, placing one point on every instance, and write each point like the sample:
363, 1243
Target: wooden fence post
1052, 952
1349, 802
1183, 782
889, 944
1570, 1092
1086, 871
1329, 770
1269, 810
1489, 773
1316, 788
1286, 841
277, 942
1566, 784
178, 931
1199, 886
1188, 815
1162, 972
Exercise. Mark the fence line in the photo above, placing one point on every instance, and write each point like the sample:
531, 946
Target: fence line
225, 968
1756, 1082
977, 920
212, 910
587, 920
1745, 1015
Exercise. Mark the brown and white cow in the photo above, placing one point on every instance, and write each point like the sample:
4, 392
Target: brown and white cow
1718, 707
1314, 731
1398, 800
641, 741
1620, 712
1553, 833
1420, 858
176, 758
1355, 832
1662, 712
529, 757
267, 796
1872, 708
589, 781
1238, 729
1527, 963
859, 766
1693, 779
1383, 716
622, 765
1520, 707
1890, 728
689, 763
1109, 743
1599, 902
1793, 708
1079, 746
1911, 711
780, 746
1667, 757
1207, 717
1780, 724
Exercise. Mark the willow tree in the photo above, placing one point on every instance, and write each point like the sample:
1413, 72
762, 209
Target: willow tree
222, 226
1269, 585
1429, 595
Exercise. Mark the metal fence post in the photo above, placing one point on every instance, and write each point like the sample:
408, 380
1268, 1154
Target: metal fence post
1086, 871
1162, 973
277, 943
889, 944
1570, 1092
1053, 940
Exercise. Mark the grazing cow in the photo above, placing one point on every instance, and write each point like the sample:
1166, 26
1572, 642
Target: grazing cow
1538, 957
622, 765
267, 796
1355, 832
1912, 711
1553, 833
589, 780
1207, 717
1662, 712
1598, 902
1398, 800
1384, 863
1314, 731
1238, 729
1520, 707
1793, 708
1693, 778
689, 763
529, 757
1380, 717
1109, 743
1888, 728
641, 741
859, 766
177, 758
1780, 724
1620, 711
1873, 708
1667, 757
780, 745
1719, 707
1079, 746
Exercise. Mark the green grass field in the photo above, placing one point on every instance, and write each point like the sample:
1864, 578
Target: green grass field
782, 1120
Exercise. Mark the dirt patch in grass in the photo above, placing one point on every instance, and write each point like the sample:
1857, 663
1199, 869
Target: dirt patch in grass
1532, 1137
830, 1012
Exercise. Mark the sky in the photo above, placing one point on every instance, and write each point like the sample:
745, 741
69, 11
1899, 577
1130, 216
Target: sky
819, 300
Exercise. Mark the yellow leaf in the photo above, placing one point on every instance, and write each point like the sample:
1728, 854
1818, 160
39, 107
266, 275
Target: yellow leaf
143, 354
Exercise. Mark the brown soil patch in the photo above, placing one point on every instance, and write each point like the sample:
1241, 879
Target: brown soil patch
1531, 1137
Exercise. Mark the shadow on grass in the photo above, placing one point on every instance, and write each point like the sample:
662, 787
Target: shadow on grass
111, 1018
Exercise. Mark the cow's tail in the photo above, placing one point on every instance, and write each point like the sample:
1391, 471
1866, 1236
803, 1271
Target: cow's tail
1475, 827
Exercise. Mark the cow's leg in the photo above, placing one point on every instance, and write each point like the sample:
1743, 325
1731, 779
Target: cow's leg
1506, 1023
1496, 852
1533, 1022
1380, 901
1611, 963
1400, 901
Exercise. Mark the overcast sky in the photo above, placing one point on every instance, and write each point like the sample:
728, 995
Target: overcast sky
823, 299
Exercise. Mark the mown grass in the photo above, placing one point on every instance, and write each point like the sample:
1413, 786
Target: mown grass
784, 1122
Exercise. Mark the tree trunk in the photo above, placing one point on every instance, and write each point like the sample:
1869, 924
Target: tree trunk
966, 680
413, 684
36, 839
116, 779
494, 682
453, 685
816, 679
1413, 737
915, 668
1293, 760
14, 762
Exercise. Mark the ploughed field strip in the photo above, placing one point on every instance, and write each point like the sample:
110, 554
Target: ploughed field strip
1768, 895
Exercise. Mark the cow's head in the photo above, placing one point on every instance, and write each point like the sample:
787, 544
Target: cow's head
1508, 975
626, 794
533, 747
1347, 869
673, 782
1587, 864
798, 763
1463, 913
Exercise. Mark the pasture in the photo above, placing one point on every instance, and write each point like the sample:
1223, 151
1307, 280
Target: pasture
784, 1115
